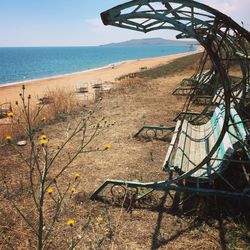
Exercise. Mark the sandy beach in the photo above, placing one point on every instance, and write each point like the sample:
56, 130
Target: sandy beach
38, 88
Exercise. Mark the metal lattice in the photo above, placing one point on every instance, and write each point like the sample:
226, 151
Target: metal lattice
225, 43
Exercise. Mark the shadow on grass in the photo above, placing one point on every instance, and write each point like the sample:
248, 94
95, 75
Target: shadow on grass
231, 219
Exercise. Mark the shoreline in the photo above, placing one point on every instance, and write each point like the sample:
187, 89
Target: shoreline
37, 87
93, 69
62, 75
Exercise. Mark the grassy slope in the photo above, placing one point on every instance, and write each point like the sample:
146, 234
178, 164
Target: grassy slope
176, 66
205, 225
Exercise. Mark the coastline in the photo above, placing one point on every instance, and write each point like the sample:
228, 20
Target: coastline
62, 75
37, 87
92, 69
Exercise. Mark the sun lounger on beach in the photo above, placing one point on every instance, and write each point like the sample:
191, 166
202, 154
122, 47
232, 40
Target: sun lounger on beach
82, 88
96, 84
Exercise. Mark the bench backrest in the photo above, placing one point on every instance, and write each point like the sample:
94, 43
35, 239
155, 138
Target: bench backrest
191, 143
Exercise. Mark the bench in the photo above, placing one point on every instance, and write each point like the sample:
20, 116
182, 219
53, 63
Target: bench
200, 77
183, 91
4, 109
242, 55
191, 143
82, 88
200, 81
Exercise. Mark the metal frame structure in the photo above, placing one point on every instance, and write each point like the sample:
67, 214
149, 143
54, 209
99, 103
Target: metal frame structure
224, 42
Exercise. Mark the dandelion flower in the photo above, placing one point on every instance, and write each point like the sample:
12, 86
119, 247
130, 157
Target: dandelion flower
43, 142
50, 190
43, 137
8, 139
70, 222
100, 219
73, 190
10, 114
77, 175
107, 146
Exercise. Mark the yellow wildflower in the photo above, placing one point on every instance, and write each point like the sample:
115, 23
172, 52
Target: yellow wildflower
77, 175
50, 190
70, 222
107, 146
10, 114
100, 219
43, 137
8, 139
43, 142
73, 190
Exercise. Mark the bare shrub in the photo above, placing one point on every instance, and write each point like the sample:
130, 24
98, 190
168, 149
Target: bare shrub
42, 184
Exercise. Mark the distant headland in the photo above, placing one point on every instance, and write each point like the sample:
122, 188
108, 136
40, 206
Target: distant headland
152, 42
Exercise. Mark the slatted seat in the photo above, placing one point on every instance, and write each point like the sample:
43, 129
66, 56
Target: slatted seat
82, 88
203, 76
191, 143
219, 96
202, 79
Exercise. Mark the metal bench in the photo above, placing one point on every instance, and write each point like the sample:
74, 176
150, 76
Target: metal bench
199, 151
82, 88
195, 142
196, 83
189, 146
96, 84
183, 91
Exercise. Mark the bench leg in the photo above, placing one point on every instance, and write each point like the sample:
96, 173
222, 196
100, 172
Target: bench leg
168, 185
155, 129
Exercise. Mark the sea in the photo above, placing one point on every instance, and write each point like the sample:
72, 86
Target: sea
25, 64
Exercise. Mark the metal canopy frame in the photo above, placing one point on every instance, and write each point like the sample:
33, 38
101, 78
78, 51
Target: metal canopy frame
224, 42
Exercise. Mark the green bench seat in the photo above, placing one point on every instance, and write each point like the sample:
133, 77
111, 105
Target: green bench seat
191, 143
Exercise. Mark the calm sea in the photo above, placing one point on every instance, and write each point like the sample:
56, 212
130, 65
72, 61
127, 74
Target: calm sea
21, 64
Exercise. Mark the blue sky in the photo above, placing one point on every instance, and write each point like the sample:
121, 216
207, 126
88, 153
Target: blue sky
77, 22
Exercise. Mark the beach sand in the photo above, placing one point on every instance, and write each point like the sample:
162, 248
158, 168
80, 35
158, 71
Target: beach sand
38, 88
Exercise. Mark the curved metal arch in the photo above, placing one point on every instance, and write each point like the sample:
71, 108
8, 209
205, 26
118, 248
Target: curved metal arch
215, 31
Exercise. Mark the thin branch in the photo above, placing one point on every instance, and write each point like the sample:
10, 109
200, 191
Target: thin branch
20, 212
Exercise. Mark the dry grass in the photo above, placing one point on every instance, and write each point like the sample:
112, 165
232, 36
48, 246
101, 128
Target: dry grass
62, 103
131, 104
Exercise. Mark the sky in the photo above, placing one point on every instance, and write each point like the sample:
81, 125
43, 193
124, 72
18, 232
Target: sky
77, 22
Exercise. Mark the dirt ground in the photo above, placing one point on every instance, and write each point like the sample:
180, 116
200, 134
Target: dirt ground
99, 225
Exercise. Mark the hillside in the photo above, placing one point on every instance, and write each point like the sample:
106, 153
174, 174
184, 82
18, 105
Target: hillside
152, 42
